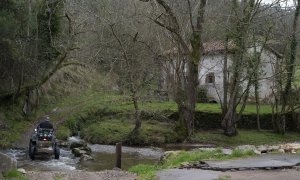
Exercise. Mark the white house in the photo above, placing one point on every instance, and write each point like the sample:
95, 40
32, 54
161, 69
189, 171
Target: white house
211, 69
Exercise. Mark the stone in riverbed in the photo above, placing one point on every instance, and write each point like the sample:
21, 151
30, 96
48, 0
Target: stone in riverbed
78, 152
185, 165
64, 144
257, 152
168, 154
87, 149
85, 157
21, 170
207, 149
246, 148
78, 144
281, 150
227, 151
273, 148
262, 149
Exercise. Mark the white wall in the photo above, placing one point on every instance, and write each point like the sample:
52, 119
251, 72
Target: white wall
214, 63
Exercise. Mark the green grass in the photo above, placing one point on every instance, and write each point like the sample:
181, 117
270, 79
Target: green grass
93, 107
252, 137
59, 176
14, 175
14, 123
145, 171
118, 130
174, 161
91, 101
107, 132
224, 178
202, 107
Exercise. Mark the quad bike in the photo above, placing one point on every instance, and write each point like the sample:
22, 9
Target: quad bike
43, 141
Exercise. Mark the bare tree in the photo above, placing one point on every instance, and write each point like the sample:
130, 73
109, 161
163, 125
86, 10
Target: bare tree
280, 120
244, 13
186, 96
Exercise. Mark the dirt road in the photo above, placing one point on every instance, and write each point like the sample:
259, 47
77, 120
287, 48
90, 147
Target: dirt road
81, 175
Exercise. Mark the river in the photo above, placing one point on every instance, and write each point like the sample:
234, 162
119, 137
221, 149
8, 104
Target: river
104, 158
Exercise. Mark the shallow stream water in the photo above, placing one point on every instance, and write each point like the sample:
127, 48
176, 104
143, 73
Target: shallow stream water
104, 158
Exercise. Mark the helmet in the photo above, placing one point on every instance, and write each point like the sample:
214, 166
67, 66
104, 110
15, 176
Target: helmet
47, 118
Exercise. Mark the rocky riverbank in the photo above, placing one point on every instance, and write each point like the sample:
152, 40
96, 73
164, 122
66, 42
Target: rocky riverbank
6, 163
282, 150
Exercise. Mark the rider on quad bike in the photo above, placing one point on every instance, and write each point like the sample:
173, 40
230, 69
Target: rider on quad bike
43, 140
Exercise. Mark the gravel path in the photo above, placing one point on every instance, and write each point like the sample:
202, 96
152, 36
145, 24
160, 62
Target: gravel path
284, 174
198, 174
81, 175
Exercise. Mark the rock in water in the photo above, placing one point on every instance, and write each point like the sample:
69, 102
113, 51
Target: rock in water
78, 152
21, 170
77, 144
87, 149
281, 150
85, 157
257, 152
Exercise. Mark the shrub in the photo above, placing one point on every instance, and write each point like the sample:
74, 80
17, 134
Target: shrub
63, 133
202, 96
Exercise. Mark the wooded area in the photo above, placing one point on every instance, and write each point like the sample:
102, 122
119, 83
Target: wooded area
135, 46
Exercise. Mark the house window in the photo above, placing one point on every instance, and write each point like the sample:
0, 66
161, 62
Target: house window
210, 78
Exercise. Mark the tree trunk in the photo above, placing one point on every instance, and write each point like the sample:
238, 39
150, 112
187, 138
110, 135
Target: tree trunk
230, 118
241, 28
229, 121
138, 122
290, 68
193, 67
187, 103
298, 122
191, 94
257, 102
244, 102
225, 79
133, 88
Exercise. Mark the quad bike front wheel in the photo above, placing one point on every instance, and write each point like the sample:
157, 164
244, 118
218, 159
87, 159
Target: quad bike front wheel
56, 152
32, 151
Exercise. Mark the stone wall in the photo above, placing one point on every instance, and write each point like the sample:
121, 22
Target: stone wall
206, 120
7, 163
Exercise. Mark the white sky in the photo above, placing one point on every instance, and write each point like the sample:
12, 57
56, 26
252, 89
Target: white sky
289, 3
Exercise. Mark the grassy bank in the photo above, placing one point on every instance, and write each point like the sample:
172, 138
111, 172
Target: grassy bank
106, 117
174, 160
14, 175
251, 137
12, 124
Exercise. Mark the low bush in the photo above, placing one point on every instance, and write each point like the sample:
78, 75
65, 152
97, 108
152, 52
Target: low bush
63, 133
